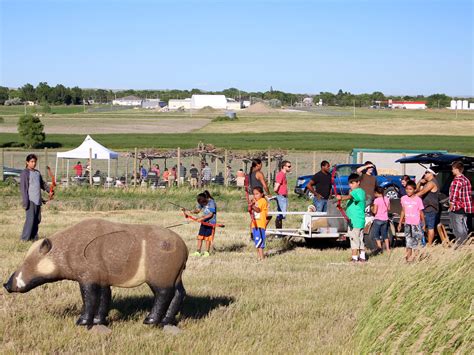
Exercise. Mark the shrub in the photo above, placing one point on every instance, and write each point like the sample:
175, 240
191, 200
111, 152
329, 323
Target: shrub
30, 130
223, 118
2, 120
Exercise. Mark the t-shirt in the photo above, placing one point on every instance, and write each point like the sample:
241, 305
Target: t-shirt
261, 217
281, 179
412, 207
356, 208
322, 184
194, 172
206, 174
144, 173
78, 168
34, 188
209, 208
383, 205
368, 183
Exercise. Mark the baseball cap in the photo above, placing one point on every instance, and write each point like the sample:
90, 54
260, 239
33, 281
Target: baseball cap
431, 172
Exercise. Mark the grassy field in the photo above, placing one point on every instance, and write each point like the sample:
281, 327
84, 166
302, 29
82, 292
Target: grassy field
299, 300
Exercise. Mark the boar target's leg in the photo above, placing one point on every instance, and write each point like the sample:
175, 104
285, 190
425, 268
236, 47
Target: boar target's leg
104, 305
175, 305
90, 297
163, 297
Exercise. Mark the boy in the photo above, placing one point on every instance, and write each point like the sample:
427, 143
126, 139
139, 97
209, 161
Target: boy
355, 210
206, 231
411, 216
31, 184
259, 208
380, 210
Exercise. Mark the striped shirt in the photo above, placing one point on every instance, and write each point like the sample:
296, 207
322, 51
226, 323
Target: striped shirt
460, 194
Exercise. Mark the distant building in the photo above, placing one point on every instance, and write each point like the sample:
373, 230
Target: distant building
153, 103
176, 104
246, 103
128, 101
409, 105
197, 102
308, 101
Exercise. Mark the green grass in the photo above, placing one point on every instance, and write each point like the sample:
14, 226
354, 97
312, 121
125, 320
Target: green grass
251, 141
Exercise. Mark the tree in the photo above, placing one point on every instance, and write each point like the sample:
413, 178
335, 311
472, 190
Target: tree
28, 92
438, 101
30, 130
3, 94
43, 92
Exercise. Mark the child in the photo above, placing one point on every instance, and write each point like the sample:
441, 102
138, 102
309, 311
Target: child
380, 209
411, 216
206, 232
356, 212
259, 208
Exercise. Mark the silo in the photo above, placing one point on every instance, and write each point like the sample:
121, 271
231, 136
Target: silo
465, 105
453, 105
459, 104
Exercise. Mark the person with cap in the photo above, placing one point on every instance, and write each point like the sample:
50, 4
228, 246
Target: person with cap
368, 181
428, 189
460, 203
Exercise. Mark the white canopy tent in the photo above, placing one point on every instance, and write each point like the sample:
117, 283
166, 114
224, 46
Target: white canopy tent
84, 152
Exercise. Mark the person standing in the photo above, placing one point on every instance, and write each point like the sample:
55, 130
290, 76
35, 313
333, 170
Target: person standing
368, 181
78, 169
257, 179
403, 182
194, 176
460, 203
320, 185
428, 189
31, 184
281, 190
182, 173
206, 175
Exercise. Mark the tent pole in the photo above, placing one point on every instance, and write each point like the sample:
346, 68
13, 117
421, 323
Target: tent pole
56, 170
90, 166
108, 172
67, 173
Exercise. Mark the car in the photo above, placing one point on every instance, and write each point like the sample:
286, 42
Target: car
11, 176
441, 164
390, 183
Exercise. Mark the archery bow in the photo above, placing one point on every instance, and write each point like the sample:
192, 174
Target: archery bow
194, 219
334, 186
53, 183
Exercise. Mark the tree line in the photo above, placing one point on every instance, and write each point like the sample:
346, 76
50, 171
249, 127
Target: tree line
62, 95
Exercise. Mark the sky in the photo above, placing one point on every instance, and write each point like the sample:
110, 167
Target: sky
397, 47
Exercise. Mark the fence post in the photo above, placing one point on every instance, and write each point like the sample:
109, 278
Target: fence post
2, 157
90, 166
226, 178
135, 168
126, 170
314, 163
179, 166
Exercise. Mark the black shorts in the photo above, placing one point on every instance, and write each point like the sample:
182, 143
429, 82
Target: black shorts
205, 231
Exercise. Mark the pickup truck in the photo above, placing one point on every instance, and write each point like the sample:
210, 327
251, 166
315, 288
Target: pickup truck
390, 183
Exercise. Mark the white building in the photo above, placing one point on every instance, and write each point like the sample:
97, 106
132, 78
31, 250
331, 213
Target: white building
176, 104
409, 105
152, 103
128, 101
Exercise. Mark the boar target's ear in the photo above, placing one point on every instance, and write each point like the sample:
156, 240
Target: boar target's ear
45, 246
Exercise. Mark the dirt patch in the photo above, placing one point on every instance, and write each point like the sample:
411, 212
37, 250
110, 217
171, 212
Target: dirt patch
260, 107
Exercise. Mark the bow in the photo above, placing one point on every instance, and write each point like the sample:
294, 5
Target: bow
334, 186
192, 218
53, 183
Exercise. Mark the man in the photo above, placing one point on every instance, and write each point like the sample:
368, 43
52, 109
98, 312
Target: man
78, 169
320, 185
460, 203
368, 181
182, 173
31, 184
281, 190
206, 175
428, 189
143, 173
193, 171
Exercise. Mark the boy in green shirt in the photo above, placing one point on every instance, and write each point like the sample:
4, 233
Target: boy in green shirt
355, 210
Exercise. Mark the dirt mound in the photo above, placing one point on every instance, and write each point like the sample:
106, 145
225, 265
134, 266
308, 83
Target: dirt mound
259, 107
208, 109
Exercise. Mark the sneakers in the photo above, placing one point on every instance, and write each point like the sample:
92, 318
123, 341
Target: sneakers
196, 253
205, 254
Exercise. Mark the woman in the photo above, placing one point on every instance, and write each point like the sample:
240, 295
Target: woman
403, 180
256, 178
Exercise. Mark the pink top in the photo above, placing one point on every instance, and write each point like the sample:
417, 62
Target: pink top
283, 188
412, 207
383, 205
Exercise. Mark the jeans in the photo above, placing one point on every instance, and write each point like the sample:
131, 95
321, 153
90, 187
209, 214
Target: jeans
380, 229
320, 204
458, 222
282, 203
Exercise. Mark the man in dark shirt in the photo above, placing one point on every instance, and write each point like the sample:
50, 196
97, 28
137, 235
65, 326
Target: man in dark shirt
320, 185
368, 181
194, 176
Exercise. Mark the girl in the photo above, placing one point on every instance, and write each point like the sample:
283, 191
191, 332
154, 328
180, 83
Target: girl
380, 209
206, 232
259, 208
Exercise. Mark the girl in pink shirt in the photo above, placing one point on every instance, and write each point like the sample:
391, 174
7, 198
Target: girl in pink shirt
413, 217
380, 209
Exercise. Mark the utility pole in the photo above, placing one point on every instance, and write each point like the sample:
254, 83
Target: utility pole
354, 103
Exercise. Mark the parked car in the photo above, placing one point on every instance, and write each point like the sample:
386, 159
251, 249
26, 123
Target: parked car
390, 183
441, 164
11, 176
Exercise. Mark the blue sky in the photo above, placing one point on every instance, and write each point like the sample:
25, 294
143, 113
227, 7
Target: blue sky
398, 47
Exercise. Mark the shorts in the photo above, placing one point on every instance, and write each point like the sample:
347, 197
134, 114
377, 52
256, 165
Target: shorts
259, 237
194, 182
413, 236
431, 219
356, 236
206, 233
380, 229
